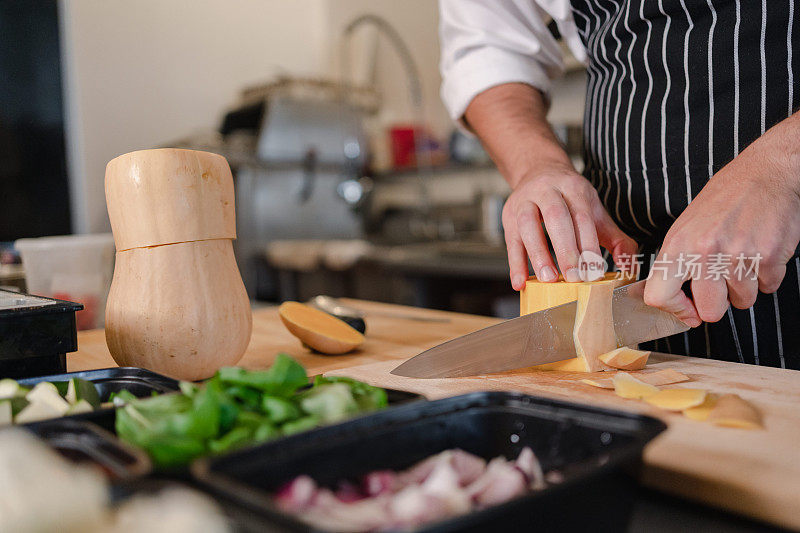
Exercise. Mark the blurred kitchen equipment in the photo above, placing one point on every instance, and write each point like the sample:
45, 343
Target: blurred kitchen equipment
467, 149
421, 151
314, 152
336, 307
343, 313
71, 267
35, 334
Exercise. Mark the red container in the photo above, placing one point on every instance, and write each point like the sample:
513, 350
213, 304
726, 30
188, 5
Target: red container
404, 148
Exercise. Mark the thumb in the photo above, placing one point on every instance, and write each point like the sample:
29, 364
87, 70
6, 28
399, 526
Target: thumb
666, 294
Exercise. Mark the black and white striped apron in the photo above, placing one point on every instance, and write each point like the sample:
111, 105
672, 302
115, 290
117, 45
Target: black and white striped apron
676, 89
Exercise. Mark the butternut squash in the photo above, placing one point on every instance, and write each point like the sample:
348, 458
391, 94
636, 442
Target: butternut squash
537, 295
625, 358
594, 324
700, 412
177, 304
627, 386
677, 399
668, 376
167, 196
658, 378
734, 412
319, 330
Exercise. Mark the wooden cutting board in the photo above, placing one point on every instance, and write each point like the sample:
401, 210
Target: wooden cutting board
754, 473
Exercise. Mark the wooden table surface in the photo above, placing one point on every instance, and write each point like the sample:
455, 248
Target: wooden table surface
754, 473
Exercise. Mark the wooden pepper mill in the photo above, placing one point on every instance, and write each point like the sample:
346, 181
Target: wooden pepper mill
177, 303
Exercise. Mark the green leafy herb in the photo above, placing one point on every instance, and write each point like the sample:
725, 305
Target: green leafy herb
236, 408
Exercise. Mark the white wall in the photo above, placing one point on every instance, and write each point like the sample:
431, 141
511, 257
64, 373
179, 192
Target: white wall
417, 21
142, 73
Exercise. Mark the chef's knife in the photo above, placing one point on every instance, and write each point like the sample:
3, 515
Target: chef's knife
538, 338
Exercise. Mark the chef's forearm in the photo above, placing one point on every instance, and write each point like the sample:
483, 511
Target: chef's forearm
780, 148
511, 120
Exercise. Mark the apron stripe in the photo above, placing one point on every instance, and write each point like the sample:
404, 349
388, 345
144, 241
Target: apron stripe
616, 108
607, 107
755, 335
763, 66
664, 110
645, 108
778, 326
735, 336
686, 102
736, 79
711, 89
628, 122
790, 71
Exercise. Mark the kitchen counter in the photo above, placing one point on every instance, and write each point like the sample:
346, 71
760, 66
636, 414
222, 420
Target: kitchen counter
753, 473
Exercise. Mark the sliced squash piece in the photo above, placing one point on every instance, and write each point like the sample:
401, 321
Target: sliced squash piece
625, 358
593, 333
700, 413
319, 330
567, 365
660, 378
603, 383
732, 411
538, 295
677, 399
627, 386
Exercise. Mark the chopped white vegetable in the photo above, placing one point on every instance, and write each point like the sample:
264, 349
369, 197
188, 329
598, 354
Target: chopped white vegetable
81, 406
37, 410
47, 393
43, 492
5, 412
8, 388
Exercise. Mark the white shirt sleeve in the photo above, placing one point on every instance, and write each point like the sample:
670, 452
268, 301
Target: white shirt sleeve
490, 42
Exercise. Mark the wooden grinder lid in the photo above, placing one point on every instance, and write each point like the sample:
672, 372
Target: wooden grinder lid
167, 196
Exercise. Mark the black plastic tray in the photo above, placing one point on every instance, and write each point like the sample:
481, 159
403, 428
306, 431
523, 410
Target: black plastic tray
83, 442
138, 381
36, 339
594, 449
143, 383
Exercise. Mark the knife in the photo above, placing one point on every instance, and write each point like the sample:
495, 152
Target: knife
538, 338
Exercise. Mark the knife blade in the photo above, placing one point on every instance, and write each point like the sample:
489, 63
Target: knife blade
538, 338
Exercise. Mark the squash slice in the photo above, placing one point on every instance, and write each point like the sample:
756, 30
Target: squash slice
319, 330
625, 358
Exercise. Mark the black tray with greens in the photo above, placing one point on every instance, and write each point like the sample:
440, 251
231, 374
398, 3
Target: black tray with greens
85, 394
238, 408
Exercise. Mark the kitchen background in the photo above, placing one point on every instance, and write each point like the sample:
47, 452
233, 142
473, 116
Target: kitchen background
351, 180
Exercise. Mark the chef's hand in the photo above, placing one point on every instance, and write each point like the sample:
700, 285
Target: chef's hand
511, 120
750, 209
575, 220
